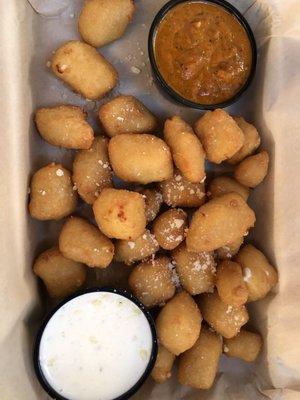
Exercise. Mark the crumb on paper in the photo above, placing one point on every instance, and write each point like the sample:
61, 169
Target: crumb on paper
135, 70
150, 80
93, 340
48, 64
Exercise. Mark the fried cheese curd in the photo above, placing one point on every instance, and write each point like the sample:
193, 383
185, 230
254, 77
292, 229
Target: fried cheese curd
65, 126
152, 281
60, 275
52, 196
120, 213
103, 21
126, 114
84, 69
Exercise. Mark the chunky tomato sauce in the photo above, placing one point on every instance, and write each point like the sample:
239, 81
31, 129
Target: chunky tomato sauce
203, 52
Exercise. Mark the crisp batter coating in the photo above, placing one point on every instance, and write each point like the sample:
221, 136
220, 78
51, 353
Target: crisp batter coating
220, 135
51, 193
140, 158
169, 228
126, 114
230, 283
178, 323
84, 69
92, 171
153, 200
178, 192
60, 275
103, 21
64, 126
163, 365
245, 345
186, 149
151, 282
130, 251
224, 184
225, 319
219, 222
251, 143
230, 250
81, 241
259, 275
196, 271
120, 214
252, 170
198, 366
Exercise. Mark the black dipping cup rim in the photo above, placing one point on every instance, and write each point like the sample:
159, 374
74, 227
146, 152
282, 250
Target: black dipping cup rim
122, 292
168, 89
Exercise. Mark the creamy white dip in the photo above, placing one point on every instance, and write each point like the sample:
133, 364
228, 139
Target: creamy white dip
95, 347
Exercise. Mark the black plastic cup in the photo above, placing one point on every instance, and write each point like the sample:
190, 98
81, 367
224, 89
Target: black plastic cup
168, 89
37, 367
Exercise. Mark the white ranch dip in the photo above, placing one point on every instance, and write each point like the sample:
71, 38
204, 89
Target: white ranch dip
95, 347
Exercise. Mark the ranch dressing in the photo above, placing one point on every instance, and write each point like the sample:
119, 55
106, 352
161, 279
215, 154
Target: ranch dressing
95, 347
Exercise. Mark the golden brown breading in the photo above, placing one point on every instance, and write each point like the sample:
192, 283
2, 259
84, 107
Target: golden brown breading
92, 171
220, 135
120, 214
84, 69
60, 275
126, 114
51, 193
81, 241
140, 158
64, 126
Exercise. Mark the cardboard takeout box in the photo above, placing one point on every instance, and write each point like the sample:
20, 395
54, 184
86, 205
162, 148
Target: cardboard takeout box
28, 35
